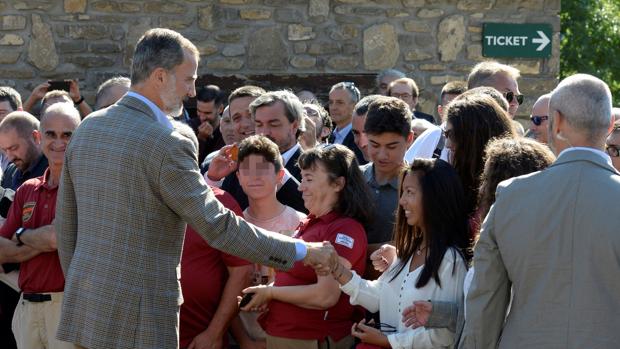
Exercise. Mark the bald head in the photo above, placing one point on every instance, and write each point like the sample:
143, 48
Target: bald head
61, 109
57, 126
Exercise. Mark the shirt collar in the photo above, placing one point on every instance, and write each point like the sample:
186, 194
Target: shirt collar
344, 131
287, 155
159, 114
44, 183
598, 152
369, 175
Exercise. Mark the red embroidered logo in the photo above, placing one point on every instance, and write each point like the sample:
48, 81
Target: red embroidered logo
28, 210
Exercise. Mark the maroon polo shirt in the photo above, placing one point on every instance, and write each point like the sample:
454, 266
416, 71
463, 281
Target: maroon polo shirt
203, 276
349, 239
34, 206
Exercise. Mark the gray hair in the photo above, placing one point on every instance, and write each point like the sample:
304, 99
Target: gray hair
585, 102
390, 72
483, 72
361, 108
293, 108
61, 108
159, 48
106, 86
8, 94
350, 87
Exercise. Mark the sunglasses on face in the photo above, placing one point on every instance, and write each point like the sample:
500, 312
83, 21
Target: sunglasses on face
613, 150
510, 96
538, 119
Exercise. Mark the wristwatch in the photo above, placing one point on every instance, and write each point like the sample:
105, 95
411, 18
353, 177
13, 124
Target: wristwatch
79, 101
18, 235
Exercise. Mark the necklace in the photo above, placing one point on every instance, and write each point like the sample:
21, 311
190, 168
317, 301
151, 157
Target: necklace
419, 250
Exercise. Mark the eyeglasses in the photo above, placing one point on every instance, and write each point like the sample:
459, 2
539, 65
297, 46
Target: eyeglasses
538, 119
613, 150
510, 96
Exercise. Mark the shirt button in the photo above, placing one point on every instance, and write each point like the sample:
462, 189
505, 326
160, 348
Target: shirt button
45, 206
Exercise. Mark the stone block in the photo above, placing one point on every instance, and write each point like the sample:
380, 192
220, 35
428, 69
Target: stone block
105, 47
72, 46
92, 61
106, 6
300, 47
231, 36
34, 5
137, 26
164, 7
234, 2
351, 48
475, 5
394, 12
9, 56
430, 13
205, 18
267, 49
369, 11
206, 49
323, 48
254, 14
303, 62
11, 40
318, 8
343, 10
474, 52
350, 20
89, 31
432, 67
417, 55
298, 32
41, 49
343, 32
176, 23
343, 63
381, 48
75, 6
354, 1
473, 29
288, 15
17, 73
12, 22
225, 63
443, 79
531, 5
413, 3
451, 37
417, 26
233, 50
130, 7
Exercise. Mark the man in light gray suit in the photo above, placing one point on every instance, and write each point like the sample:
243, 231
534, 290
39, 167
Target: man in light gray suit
553, 237
129, 183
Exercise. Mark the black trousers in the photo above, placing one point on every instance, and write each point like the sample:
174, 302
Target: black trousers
8, 302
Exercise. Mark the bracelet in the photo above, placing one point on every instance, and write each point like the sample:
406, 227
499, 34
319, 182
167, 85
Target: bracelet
79, 101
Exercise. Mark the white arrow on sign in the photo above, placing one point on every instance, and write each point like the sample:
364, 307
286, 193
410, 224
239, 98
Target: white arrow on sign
543, 40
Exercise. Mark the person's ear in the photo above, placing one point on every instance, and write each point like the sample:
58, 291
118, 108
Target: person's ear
409, 139
340, 183
36, 136
160, 76
280, 175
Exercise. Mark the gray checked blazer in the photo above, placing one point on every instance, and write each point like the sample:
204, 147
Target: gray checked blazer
128, 187
554, 236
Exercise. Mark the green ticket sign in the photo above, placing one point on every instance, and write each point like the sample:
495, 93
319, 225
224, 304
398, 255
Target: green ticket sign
516, 40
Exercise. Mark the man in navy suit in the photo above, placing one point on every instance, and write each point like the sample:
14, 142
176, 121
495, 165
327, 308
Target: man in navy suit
342, 99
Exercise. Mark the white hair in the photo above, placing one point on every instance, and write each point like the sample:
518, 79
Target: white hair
61, 108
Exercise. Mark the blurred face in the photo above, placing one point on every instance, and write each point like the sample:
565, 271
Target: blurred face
613, 146
450, 144
359, 136
411, 200
5, 108
208, 112
386, 151
241, 117
540, 111
405, 94
227, 129
258, 177
23, 152
504, 84
447, 98
113, 95
341, 107
384, 84
178, 85
319, 193
271, 122
313, 114
56, 131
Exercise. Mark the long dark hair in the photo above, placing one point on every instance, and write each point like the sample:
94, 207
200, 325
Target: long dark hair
444, 217
354, 200
475, 119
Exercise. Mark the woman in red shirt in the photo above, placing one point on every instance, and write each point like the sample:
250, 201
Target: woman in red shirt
306, 310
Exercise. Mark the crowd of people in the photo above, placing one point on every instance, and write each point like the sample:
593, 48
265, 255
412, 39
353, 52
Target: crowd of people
274, 219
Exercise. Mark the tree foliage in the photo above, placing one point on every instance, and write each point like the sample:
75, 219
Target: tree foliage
591, 41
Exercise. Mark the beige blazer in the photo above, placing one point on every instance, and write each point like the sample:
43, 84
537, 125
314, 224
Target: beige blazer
554, 237
128, 187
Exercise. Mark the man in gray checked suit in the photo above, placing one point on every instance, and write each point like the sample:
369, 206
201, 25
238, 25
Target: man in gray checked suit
554, 237
129, 184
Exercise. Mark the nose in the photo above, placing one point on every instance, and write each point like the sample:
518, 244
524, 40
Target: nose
192, 90
363, 140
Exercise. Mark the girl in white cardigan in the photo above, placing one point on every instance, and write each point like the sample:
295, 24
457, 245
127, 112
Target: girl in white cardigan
433, 249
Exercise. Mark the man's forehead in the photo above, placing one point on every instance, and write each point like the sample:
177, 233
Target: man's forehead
503, 82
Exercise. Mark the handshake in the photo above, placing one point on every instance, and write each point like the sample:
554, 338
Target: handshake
321, 256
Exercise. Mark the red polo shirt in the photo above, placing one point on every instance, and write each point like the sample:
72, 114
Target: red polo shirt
34, 206
290, 321
203, 277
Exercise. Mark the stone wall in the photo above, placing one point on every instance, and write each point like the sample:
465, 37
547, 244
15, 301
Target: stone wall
433, 41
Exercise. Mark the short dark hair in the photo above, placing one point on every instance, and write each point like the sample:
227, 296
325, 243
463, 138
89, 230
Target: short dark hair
8, 94
452, 88
355, 200
210, 93
388, 114
246, 91
361, 108
263, 146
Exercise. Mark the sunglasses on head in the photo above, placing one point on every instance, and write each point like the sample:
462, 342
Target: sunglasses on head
510, 96
538, 119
